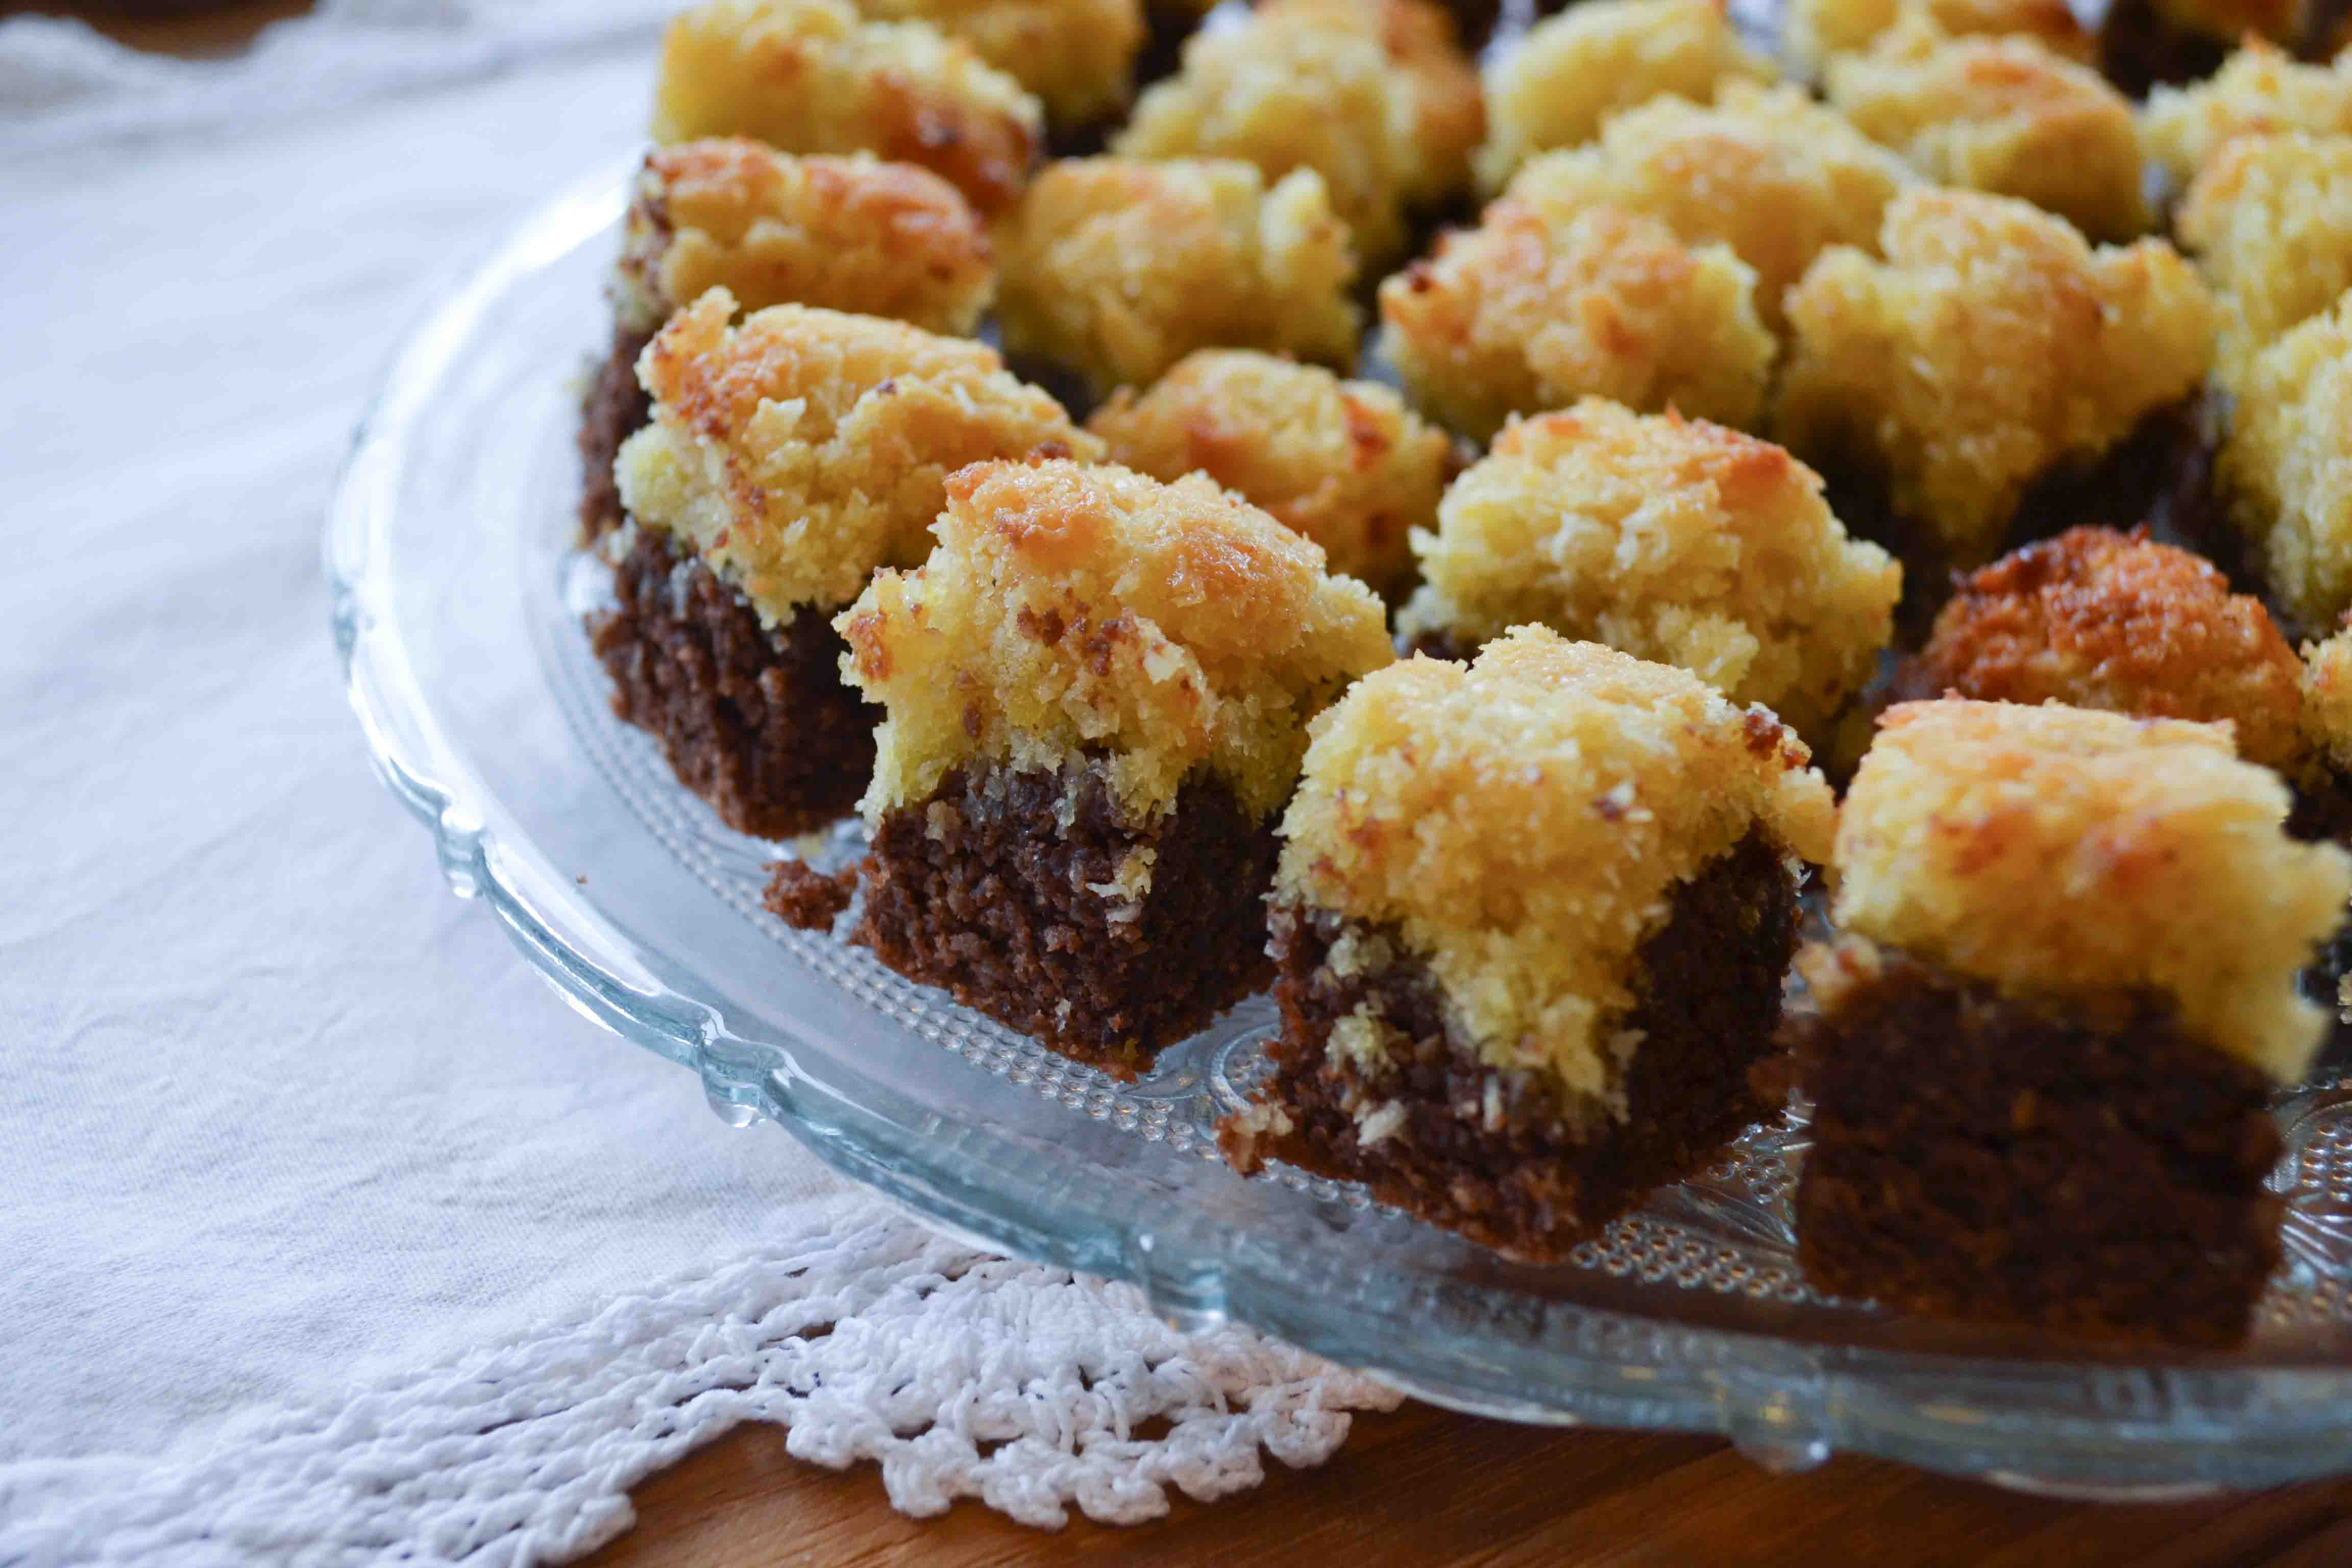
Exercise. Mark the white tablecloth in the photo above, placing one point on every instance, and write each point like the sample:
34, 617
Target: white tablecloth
326, 1231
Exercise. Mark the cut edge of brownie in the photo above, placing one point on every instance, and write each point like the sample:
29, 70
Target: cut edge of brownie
2089, 1169
1505, 1157
615, 408
1015, 891
754, 719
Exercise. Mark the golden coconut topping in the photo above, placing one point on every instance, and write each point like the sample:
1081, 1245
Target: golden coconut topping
1524, 822
1573, 70
1078, 56
1668, 538
1764, 169
2270, 222
849, 233
1814, 30
1531, 310
1069, 609
809, 76
1343, 462
804, 448
2000, 114
2259, 89
2057, 851
1313, 84
1117, 267
2327, 699
1991, 344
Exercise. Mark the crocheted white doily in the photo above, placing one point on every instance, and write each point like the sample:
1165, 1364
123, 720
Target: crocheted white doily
962, 1376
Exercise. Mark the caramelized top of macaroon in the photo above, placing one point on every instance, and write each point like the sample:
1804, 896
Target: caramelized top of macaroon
849, 233
1669, 539
2270, 221
1766, 170
1117, 267
2057, 851
1992, 343
805, 447
1814, 30
2102, 619
810, 76
1078, 55
1524, 820
2286, 465
2000, 114
2259, 87
1069, 609
1345, 463
1573, 70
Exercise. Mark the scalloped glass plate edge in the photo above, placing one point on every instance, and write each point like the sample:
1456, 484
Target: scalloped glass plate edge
2152, 1432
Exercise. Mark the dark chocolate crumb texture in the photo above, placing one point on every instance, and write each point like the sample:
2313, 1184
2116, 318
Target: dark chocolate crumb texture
754, 719
1503, 1156
2090, 1168
1035, 899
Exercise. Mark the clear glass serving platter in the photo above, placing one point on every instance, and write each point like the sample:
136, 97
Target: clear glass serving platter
457, 601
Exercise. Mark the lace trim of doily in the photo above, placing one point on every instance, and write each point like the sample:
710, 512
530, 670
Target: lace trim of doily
962, 1376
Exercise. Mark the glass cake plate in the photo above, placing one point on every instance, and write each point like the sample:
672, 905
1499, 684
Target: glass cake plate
457, 600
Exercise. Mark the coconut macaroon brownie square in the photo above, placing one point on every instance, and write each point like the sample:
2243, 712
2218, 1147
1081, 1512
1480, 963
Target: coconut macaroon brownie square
1994, 376
1345, 463
813, 75
1533, 309
1373, 95
788, 457
2004, 115
1096, 692
1114, 268
1766, 170
1666, 538
1530, 925
1573, 70
2260, 88
848, 234
2270, 222
2065, 991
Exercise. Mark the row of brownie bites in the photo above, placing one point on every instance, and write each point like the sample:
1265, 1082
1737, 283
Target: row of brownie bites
1120, 699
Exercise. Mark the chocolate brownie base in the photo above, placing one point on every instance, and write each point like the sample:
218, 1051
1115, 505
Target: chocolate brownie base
1003, 889
616, 408
755, 721
1496, 1154
2094, 1173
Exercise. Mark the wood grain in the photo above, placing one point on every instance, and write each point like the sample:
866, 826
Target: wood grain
1425, 1486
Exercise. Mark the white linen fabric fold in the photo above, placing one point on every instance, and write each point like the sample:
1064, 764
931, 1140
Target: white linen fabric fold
307, 1187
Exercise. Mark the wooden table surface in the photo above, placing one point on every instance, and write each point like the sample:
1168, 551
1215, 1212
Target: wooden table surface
1422, 1485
